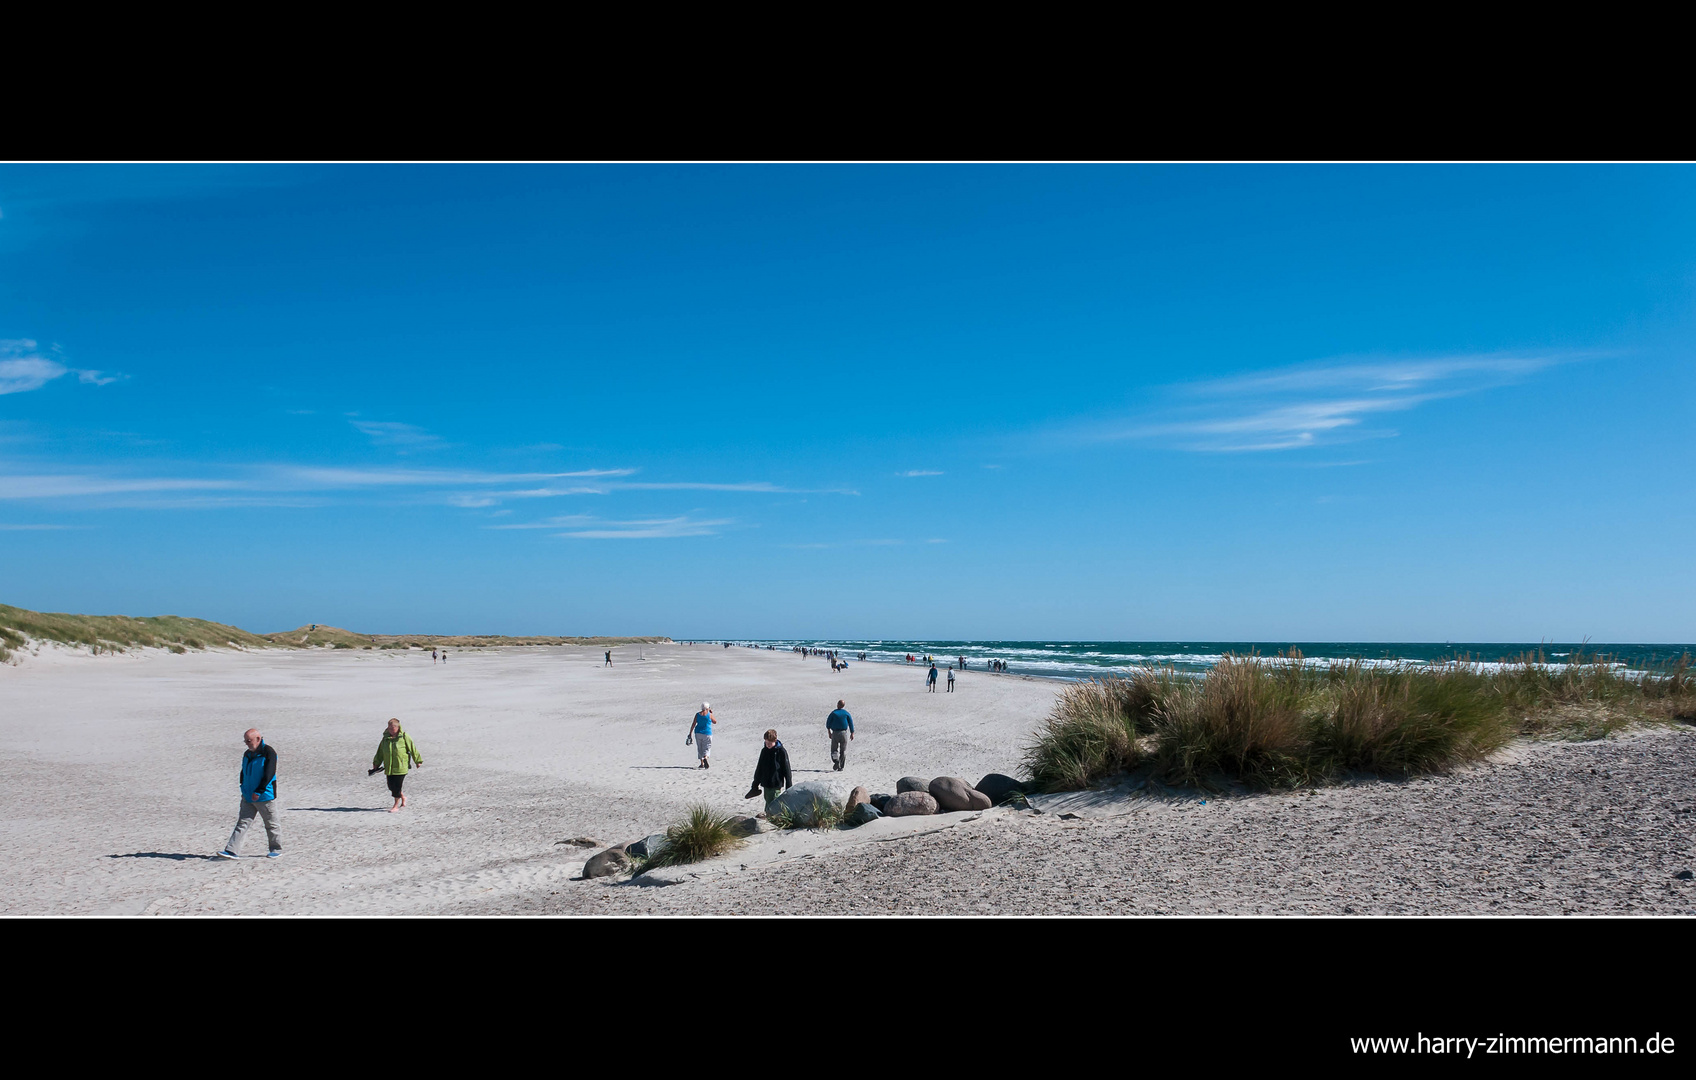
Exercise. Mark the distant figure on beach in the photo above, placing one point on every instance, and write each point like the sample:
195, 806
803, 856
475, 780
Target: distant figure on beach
839, 725
701, 734
771, 773
432, 656
609, 659
396, 754
950, 680
258, 780
930, 680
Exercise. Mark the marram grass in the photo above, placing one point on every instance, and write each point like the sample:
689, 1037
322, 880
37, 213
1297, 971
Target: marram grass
702, 835
1283, 722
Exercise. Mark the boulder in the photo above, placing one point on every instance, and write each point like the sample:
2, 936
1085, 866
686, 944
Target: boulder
953, 794
911, 783
879, 800
606, 864
647, 847
743, 826
802, 801
998, 786
910, 804
862, 814
855, 798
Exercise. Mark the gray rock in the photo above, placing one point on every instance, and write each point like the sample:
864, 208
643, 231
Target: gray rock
803, 801
606, 864
647, 847
862, 814
910, 804
743, 826
879, 800
953, 794
856, 797
579, 841
998, 786
911, 783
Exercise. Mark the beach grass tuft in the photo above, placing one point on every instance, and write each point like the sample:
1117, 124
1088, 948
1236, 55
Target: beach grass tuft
704, 834
822, 814
1282, 722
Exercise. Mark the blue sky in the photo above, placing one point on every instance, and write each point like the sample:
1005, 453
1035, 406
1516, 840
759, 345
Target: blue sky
1190, 403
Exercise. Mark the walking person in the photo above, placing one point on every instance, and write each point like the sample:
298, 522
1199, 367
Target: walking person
950, 680
258, 781
701, 734
771, 772
930, 680
395, 754
840, 726
609, 659
432, 657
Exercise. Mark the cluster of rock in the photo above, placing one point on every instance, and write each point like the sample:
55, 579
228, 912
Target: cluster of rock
914, 795
816, 802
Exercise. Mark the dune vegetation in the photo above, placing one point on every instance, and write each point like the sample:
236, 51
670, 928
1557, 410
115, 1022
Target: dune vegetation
116, 633
702, 835
1283, 722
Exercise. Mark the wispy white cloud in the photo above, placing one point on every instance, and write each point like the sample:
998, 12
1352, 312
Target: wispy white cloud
23, 368
36, 528
920, 472
72, 486
1313, 404
649, 529
389, 433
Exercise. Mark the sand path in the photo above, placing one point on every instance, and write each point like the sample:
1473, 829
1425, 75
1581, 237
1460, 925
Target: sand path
117, 773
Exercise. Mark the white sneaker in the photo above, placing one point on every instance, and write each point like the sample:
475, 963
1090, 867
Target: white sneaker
226, 855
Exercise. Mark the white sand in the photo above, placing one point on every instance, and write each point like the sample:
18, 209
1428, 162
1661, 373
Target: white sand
118, 773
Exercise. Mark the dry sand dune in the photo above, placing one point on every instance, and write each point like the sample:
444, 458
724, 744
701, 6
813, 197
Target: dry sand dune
118, 773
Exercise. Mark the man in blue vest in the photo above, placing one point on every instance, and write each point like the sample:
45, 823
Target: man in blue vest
258, 796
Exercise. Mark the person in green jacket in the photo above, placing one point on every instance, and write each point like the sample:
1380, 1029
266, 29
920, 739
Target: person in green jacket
393, 755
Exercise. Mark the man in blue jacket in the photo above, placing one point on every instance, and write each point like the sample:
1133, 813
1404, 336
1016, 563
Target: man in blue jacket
258, 796
840, 725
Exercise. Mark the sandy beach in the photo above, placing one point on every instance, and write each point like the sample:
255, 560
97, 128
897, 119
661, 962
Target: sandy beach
118, 782
118, 773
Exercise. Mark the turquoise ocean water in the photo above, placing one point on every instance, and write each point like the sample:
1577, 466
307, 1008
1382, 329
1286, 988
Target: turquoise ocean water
1085, 659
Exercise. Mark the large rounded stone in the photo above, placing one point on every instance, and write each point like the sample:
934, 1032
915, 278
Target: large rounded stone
953, 794
742, 826
856, 797
863, 814
803, 803
910, 804
606, 864
911, 783
998, 786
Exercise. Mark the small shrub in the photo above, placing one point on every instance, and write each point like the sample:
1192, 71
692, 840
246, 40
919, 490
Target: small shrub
702, 835
178, 649
341, 645
821, 814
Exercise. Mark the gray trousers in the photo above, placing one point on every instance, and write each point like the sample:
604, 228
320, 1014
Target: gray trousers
267, 812
839, 749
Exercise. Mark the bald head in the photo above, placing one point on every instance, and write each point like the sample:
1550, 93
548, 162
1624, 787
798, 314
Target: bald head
252, 737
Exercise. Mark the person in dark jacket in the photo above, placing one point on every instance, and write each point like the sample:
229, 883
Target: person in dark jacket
772, 773
258, 796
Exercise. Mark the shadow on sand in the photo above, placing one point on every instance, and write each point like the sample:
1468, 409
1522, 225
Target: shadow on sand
338, 809
688, 768
177, 856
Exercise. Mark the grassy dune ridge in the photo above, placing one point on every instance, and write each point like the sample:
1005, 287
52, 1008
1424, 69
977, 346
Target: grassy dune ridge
117, 633
1284, 722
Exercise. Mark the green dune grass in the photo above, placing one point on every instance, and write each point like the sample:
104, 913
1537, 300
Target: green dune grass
1285, 723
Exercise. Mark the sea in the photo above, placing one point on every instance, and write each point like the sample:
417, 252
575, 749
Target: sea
1074, 660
